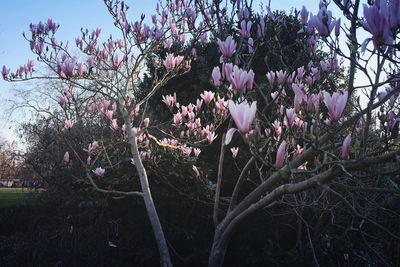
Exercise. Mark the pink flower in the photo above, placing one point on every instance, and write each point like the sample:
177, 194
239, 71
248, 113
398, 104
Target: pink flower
227, 71
221, 104
203, 38
168, 100
278, 128
109, 114
322, 21
250, 79
68, 124
187, 151
239, 78
171, 61
207, 96
291, 115
281, 76
196, 171
211, 137
298, 151
99, 171
114, 125
81, 69
5, 72
335, 104
243, 115
92, 147
199, 103
61, 101
177, 119
146, 122
245, 28
346, 147
280, 155
196, 151
216, 75
234, 151
251, 44
134, 130
66, 157
228, 47
271, 77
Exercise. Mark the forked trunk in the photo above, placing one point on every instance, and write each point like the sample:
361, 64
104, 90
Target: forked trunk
218, 250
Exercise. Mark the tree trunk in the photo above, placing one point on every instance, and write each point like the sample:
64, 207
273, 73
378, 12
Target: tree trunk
165, 259
218, 251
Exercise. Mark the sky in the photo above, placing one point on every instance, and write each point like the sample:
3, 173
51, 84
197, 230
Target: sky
72, 15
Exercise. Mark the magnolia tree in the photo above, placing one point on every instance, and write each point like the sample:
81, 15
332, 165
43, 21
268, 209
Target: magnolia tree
300, 135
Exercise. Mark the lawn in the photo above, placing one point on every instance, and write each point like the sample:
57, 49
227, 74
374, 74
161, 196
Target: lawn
13, 196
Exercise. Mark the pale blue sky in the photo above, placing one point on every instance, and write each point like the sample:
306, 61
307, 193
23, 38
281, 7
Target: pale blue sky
15, 17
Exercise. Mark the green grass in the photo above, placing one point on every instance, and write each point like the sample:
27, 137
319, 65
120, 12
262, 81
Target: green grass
13, 196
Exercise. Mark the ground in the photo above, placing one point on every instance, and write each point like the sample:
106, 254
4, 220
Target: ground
13, 196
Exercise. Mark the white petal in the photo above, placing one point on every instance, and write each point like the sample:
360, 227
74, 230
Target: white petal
229, 135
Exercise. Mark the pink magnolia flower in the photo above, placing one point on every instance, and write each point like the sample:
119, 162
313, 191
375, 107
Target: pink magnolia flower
197, 152
221, 104
346, 147
81, 69
92, 147
66, 157
5, 72
281, 76
196, 171
297, 151
239, 78
114, 125
61, 101
168, 100
245, 29
227, 47
109, 114
95, 145
250, 79
335, 104
234, 151
203, 38
99, 171
278, 128
187, 151
280, 155
68, 124
134, 130
271, 77
199, 103
211, 136
171, 61
184, 111
227, 71
243, 115
251, 45
207, 96
146, 122
216, 75
304, 15
177, 119
322, 21
291, 115
379, 19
